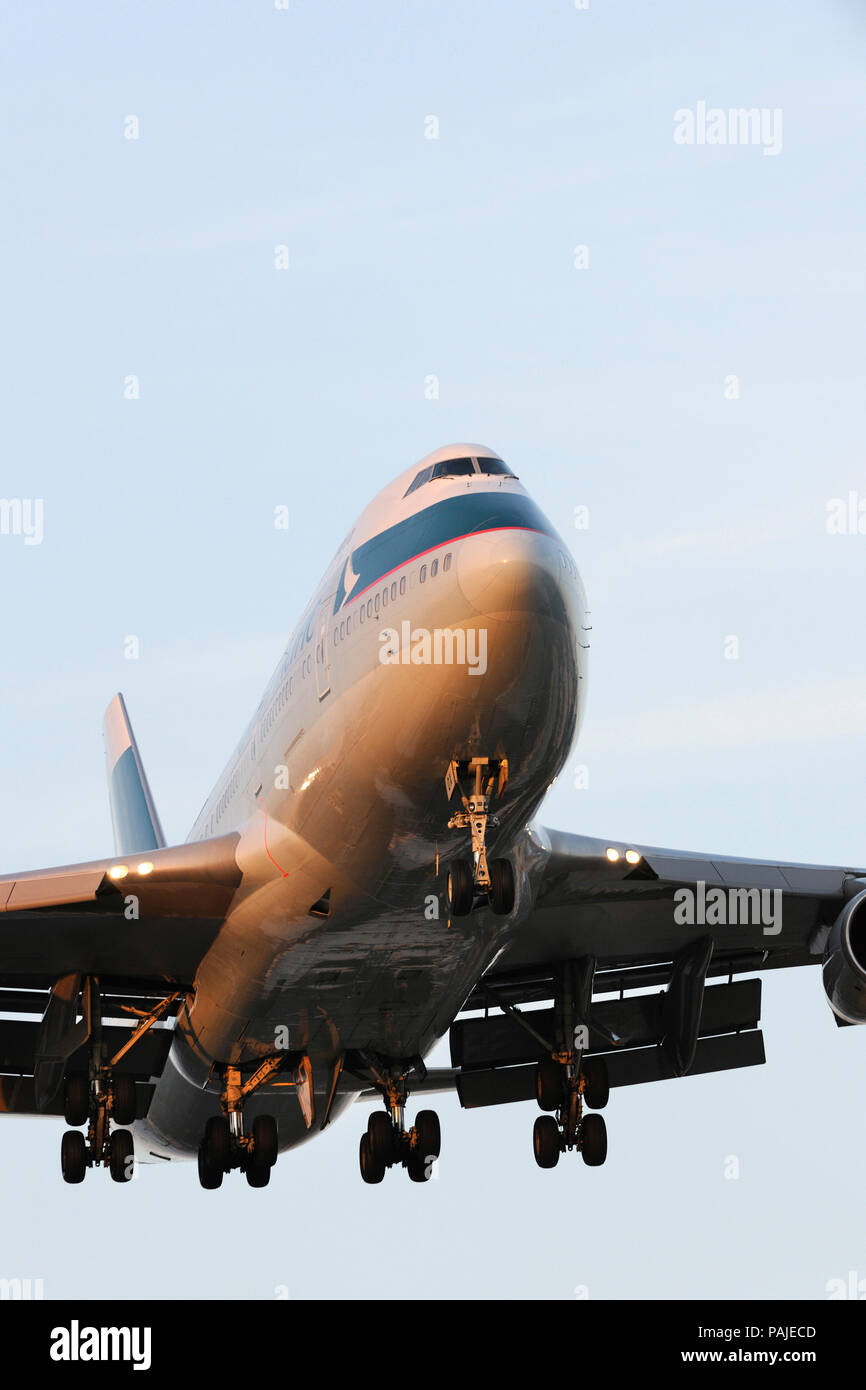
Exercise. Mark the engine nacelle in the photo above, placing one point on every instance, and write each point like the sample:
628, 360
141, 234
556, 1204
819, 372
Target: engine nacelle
845, 962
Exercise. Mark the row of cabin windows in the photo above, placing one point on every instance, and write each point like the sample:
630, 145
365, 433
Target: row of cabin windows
388, 594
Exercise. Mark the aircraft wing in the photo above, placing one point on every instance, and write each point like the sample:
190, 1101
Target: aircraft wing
152, 922
644, 945
140, 924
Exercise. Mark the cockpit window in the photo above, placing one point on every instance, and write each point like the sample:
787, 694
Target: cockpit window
459, 468
448, 468
495, 466
453, 468
419, 480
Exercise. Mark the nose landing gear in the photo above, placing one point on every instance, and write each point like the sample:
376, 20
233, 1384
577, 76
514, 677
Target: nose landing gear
470, 877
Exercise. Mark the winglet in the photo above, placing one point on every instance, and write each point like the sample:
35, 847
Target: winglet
133, 814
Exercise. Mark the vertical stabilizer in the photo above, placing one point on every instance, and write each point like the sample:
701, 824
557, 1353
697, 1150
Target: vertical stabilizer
133, 814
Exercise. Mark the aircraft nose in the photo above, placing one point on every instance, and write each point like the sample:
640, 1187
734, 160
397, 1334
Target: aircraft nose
505, 572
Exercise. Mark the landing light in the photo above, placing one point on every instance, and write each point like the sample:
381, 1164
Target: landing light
612, 854
118, 871
145, 868
632, 856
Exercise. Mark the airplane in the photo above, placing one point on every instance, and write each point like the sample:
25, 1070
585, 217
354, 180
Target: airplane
368, 875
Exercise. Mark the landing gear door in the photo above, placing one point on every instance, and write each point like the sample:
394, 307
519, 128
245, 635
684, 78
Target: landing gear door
323, 649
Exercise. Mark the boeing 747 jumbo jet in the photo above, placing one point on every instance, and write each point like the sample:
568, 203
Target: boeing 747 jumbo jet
367, 875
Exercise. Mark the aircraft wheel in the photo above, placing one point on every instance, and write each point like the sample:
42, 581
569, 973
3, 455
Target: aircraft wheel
121, 1155
123, 1103
461, 887
380, 1137
257, 1170
372, 1167
593, 1140
209, 1177
217, 1143
548, 1085
596, 1092
73, 1156
501, 887
545, 1141
265, 1139
76, 1099
428, 1133
419, 1166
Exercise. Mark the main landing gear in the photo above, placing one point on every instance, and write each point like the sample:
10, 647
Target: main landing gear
387, 1143
102, 1096
468, 878
567, 1081
226, 1144
566, 1087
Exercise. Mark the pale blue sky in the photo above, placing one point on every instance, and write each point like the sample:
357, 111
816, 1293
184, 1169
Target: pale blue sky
602, 387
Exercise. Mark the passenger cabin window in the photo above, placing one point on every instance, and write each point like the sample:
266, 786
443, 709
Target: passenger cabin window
446, 563
434, 569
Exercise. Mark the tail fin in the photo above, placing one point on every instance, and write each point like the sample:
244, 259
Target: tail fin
133, 814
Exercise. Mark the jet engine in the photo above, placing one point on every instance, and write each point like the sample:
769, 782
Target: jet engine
845, 962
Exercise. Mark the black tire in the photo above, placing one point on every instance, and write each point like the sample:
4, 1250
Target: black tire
257, 1171
73, 1156
380, 1136
76, 1099
428, 1134
593, 1140
124, 1100
265, 1143
461, 887
501, 887
209, 1177
596, 1091
419, 1167
548, 1084
545, 1141
372, 1167
218, 1143
121, 1151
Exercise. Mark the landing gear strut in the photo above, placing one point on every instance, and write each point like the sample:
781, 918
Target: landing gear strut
567, 1081
468, 877
101, 1097
387, 1143
226, 1144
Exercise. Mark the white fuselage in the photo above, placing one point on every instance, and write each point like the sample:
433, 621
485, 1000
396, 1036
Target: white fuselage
337, 794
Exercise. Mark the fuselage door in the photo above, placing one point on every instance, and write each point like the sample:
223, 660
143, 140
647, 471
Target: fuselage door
323, 651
